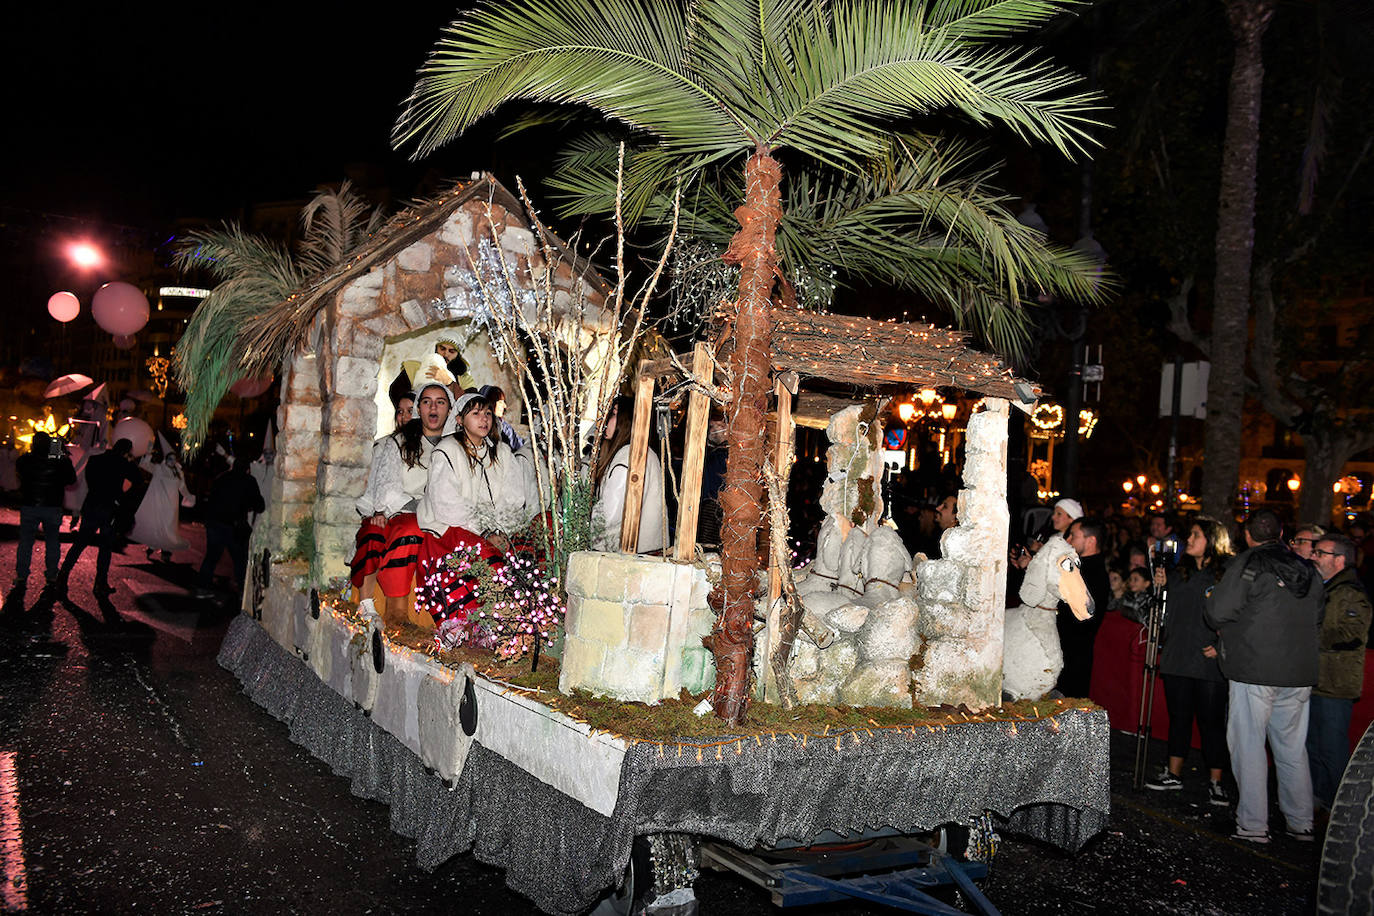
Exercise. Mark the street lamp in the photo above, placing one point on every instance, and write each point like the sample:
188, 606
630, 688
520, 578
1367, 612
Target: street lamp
85, 255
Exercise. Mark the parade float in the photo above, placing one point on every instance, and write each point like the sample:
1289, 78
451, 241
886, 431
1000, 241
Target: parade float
877, 704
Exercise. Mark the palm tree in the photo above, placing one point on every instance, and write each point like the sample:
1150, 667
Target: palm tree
256, 275
715, 81
923, 218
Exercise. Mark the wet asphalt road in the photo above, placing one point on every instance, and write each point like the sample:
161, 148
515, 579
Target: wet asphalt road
143, 780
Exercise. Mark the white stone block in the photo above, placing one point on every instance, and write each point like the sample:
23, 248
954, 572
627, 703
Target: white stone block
354, 377
551, 747
301, 417
891, 631
417, 257
847, 618
357, 300
458, 230
415, 315
363, 675
397, 707
443, 745
880, 682
518, 241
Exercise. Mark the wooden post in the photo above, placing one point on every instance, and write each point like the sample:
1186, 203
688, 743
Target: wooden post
694, 456
783, 443
639, 456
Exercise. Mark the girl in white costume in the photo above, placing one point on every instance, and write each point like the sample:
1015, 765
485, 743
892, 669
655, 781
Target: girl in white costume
478, 494
612, 473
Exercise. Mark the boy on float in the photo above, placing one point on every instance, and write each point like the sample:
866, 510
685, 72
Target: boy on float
400, 472
479, 492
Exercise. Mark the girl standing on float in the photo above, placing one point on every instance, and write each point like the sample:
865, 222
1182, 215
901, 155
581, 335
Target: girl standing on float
479, 493
611, 474
389, 539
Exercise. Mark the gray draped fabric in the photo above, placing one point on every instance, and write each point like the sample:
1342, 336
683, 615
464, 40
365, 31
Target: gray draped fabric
1048, 784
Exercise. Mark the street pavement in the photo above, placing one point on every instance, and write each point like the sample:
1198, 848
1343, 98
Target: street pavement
135, 776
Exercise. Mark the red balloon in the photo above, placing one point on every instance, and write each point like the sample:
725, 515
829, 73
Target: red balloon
251, 387
124, 341
120, 308
64, 306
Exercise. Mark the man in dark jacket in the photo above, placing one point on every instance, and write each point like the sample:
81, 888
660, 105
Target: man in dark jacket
1268, 609
1077, 637
1340, 670
107, 477
234, 495
44, 475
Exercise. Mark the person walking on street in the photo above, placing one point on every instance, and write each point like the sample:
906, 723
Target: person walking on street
108, 475
1340, 670
233, 496
45, 472
1268, 608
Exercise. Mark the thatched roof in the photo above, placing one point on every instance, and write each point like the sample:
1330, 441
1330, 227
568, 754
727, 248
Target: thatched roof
862, 351
286, 323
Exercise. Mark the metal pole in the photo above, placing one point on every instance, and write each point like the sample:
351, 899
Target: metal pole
1171, 472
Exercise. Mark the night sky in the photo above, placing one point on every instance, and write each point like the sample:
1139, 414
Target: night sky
136, 114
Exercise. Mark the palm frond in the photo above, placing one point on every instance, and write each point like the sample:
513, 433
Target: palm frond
921, 217
981, 20
626, 60
254, 275
334, 223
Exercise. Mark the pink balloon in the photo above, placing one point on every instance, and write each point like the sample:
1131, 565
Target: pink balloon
251, 387
120, 308
64, 306
124, 341
137, 432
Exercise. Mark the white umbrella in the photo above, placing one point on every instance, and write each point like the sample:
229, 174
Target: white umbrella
67, 384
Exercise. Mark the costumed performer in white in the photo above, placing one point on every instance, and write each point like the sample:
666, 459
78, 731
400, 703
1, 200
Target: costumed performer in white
157, 523
389, 539
1031, 654
479, 493
612, 474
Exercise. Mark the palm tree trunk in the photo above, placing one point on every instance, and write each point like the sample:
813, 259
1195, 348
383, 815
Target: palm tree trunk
741, 498
1234, 252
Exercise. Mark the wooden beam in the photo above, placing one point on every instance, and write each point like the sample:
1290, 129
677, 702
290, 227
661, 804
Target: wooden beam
694, 456
783, 439
639, 456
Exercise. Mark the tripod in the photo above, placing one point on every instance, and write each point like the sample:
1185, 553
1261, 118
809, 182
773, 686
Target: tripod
1158, 606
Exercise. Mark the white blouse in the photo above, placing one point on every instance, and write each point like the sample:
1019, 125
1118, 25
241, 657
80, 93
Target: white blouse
484, 495
392, 487
609, 509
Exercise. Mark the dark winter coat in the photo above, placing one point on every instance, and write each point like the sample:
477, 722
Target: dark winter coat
1344, 630
106, 474
1268, 608
43, 480
1185, 633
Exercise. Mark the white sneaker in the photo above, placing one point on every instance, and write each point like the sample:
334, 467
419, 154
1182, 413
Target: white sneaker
367, 609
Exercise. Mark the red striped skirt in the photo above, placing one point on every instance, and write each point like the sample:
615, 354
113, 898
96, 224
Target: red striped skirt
370, 544
403, 542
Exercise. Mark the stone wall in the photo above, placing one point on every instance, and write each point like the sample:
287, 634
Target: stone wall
328, 415
963, 596
634, 627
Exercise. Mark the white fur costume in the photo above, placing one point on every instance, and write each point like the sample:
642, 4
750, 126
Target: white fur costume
1031, 655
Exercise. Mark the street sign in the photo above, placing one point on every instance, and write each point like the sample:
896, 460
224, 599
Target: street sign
1192, 392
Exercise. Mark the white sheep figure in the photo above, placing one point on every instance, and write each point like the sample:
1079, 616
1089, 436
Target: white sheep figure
1031, 655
